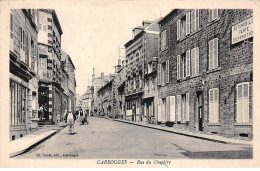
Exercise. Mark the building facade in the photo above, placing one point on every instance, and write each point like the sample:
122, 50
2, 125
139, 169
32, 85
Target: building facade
85, 101
205, 71
139, 54
23, 57
49, 42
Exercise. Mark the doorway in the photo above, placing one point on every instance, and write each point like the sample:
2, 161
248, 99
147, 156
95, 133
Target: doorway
200, 111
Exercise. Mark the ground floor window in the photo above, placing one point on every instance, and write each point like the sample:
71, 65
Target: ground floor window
214, 105
17, 104
242, 103
183, 112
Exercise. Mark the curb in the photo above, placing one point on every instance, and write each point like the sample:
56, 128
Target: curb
34, 144
181, 133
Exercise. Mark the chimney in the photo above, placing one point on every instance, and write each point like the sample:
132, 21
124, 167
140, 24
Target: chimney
102, 78
118, 67
146, 23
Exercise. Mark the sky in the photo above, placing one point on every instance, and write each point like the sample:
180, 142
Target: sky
94, 31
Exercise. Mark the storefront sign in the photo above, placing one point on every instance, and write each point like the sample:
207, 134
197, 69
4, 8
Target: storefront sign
242, 30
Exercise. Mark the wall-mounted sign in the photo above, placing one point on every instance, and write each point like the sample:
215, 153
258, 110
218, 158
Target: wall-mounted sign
242, 30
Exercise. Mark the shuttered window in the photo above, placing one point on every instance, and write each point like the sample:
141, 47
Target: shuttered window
178, 66
213, 53
167, 71
187, 106
194, 20
188, 23
242, 113
178, 29
159, 111
188, 63
159, 74
214, 105
178, 107
195, 61
213, 14
163, 40
172, 108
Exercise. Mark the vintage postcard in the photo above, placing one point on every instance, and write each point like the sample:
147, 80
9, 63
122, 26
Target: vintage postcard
133, 83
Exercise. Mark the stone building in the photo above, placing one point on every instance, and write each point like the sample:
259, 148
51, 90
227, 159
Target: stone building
23, 57
150, 96
49, 43
68, 83
86, 101
206, 71
97, 83
119, 84
139, 51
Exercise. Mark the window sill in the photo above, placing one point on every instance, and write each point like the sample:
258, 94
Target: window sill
195, 76
213, 21
214, 124
161, 51
243, 124
213, 70
190, 34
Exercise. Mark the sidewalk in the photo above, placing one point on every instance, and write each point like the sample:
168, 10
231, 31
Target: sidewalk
31, 140
205, 136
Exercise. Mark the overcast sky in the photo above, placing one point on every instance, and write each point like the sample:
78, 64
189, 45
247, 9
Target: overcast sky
93, 32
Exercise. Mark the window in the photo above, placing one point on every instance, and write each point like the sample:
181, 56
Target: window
163, 73
195, 61
213, 14
183, 65
214, 105
149, 67
194, 20
183, 107
172, 109
167, 72
163, 40
159, 73
134, 83
213, 53
242, 103
17, 104
43, 63
183, 26
178, 66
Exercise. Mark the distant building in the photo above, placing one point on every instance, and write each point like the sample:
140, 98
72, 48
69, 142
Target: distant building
85, 101
141, 49
23, 57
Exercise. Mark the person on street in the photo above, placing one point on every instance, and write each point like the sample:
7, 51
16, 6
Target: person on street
40, 112
81, 116
70, 119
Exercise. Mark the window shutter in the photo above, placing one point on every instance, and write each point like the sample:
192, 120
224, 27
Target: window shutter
159, 74
159, 111
178, 29
188, 63
192, 22
187, 106
197, 13
216, 105
211, 106
172, 108
29, 51
193, 66
215, 14
178, 66
239, 118
210, 54
164, 40
21, 38
197, 61
246, 103
179, 107
215, 53
167, 71
188, 23
210, 15
167, 109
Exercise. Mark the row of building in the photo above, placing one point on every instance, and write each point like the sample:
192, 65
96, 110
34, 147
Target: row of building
42, 78
191, 69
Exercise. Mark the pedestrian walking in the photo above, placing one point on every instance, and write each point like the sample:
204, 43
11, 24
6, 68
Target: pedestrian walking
40, 112
70, 119
82, 117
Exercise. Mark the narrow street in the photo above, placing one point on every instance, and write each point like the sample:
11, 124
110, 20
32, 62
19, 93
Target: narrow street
105, 139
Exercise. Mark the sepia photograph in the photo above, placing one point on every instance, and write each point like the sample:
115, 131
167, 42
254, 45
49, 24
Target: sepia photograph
128, 83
